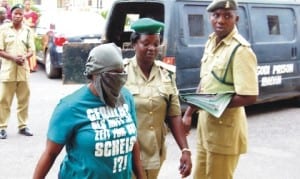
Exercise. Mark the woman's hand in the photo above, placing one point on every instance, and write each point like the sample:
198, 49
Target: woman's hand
185, 167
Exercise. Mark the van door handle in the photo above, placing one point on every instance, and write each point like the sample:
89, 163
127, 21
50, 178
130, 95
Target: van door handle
294, 53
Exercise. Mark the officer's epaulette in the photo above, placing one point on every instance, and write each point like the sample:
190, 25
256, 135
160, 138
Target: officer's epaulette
7, 25
241, 40
168, 67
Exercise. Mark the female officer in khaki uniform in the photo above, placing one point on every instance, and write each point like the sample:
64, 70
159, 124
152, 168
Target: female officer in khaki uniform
153, 86
221, 141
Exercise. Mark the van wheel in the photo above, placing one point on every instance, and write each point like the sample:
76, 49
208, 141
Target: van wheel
296, 101
50, 70
195, 119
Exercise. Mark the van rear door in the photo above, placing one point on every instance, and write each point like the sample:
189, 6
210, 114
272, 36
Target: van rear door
122, 15
191, 36
274, 40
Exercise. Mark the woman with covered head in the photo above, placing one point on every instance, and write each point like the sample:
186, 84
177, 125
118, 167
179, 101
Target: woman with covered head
96, 124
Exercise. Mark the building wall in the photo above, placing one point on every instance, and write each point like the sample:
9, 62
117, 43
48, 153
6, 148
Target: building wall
99, 4
50, 4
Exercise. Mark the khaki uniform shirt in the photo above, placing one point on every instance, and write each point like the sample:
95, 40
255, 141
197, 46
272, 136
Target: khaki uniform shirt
16, 43
155, 98
228, 134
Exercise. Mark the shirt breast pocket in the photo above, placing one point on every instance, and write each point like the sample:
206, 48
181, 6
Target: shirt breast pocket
222, 72
166, 90
134, 90
9, 39
219, 69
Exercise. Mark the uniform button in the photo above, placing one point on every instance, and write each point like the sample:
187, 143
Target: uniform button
150, 112
151, 127
220, 122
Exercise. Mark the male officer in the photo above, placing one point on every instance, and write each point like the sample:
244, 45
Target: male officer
221, 140
16, 47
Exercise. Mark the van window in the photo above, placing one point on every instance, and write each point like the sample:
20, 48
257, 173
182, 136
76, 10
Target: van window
123, 14
273, 24
125, 36
194, 17
130, 18
196, 25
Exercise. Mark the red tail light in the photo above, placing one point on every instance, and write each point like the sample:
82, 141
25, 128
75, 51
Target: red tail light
59, 41
169, 60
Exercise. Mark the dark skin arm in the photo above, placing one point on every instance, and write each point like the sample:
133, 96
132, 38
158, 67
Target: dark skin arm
47, 159
137, 163
177, 129
53, 149
187, 117
241, 100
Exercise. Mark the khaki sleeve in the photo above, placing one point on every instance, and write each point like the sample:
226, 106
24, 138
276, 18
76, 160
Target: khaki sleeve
245, 72
174, 108
2, 30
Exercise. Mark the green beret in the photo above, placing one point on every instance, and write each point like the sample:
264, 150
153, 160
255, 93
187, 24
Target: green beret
17, 6
222, 4
147, 26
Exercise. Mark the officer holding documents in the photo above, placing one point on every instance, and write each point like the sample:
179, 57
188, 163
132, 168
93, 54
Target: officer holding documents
227, 65
152, 84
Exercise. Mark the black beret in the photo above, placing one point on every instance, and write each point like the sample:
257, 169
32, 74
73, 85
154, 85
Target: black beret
17, 6
222, 4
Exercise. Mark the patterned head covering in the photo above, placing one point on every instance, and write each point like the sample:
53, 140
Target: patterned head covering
104, 58
101, 62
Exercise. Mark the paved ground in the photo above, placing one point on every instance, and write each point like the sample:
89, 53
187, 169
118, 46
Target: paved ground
19, 154
274, 134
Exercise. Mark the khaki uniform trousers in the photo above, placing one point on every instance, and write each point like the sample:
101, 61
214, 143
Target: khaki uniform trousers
149, 174
152, 173
7, 92
209, 165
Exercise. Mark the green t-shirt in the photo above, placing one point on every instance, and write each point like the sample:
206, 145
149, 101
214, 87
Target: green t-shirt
98, 139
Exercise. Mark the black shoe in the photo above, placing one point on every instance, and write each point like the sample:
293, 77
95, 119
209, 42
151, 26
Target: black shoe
3, 134
25, 131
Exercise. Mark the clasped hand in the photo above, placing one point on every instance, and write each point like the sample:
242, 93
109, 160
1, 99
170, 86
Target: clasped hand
20, 60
